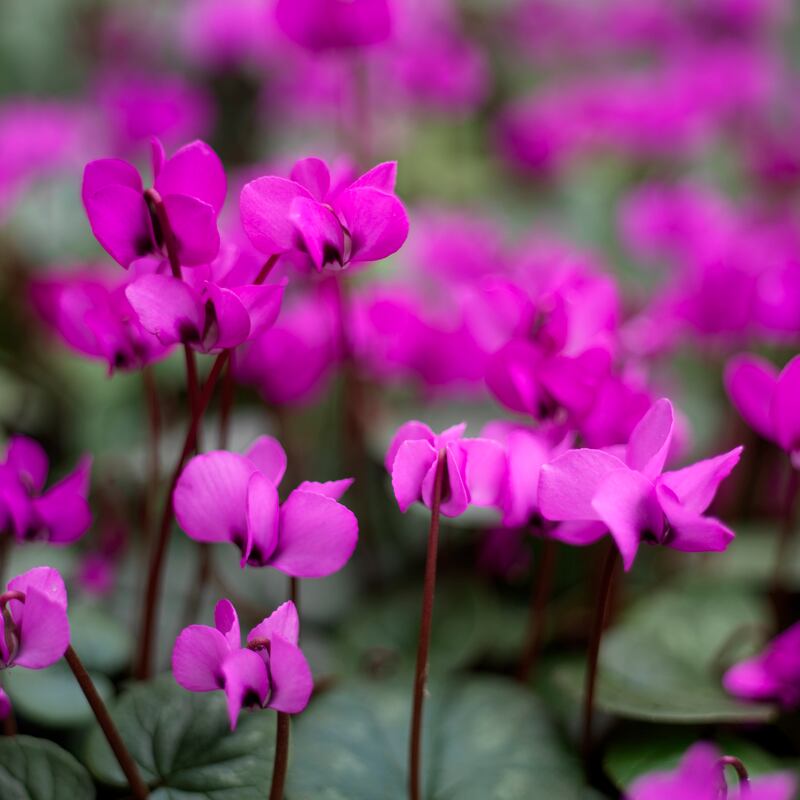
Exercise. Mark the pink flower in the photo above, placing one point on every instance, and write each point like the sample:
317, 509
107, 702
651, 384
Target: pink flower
59, 515
269, 672
216, 306
699, 776
34, 629
192, 186
474, 475
330, 24
632, 495
772, 675
333, 225
767, 399
227, 497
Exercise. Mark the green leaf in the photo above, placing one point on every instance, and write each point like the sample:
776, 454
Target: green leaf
484, 739
661, 662
183, 744
35, 769
51, 697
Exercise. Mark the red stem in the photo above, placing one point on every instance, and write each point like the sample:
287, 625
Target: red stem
741, 771
281, 761
785, 539
423, 647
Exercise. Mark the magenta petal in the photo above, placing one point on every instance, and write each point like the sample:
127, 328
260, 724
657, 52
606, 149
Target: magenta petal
573, 381
696, 485
511, 377
244, 675
109, 172
196, 171
750, 382
313, 173
5, 703
120, 221
262, 303
626, 501
227, 323
157, 156
197, 658
413, 461
210, 498
382, 176
317, 536
16, 505
265, 205
750, 680
268, 455
320, 232
194, 225
284, 621
650, 440
486, 470
167, 307
290, 676
455, 495
785, 410
262, 520
377, 222
332, 489
226, 621
64, 513
43, 630
579, 533
46, 579
689, 531
28, 459
568, 484
408, 430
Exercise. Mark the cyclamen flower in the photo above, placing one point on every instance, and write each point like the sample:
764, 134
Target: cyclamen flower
59, 515
767, 400
191, 185
333, 225
227, 497
216, 306
772, 675
474, 474
269, 672
632, 495
34, 629
699, 776
330, 24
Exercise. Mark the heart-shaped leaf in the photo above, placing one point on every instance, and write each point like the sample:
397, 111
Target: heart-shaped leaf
183, 744
35, 769
484, 739
664, 660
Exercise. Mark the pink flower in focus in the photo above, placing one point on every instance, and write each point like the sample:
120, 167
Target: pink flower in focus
270, 671
226, 497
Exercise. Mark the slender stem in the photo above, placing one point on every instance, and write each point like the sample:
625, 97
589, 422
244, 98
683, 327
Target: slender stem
5, 550
228, 395
294, 592
421, 673
126, 762
10, 724
601, 610
153, 450
741, 772
785, 534
281, 757
537, 619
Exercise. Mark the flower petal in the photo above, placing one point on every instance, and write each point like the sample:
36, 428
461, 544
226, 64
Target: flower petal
194, 225
332, 489
246, 681
568, 484
319, 231
414, 459
167, 307
28, 459
210, 498
284, 620
511, 378
486, 470
262, 303
626, 501
47, 580
408, 430
227, 323
689, 531
750, 382
314, 175
290, 675
455, 495
226, 621
262, 520
650, 440
317, 536
696, 485
63, 510
382, 176
751, 680
265, 204
120, 221
196, 171
785, 410
109, 172
377, 222
43, 630
197, 658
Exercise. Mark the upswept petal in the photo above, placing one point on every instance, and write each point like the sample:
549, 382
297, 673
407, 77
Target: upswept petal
414, 459
120, 221
408, 431
43, 630
63, 511
263, 304
196, 171
689, 531
268, 455
319, 232
28, 459
455, 494
568, 484
109, 172
46, 579
210, 498
573, 381
511, 377
262, 520
265, 205
317, 536
750, 382
314, 175
377, 222
197, 658
696, 485
195, 227
284, 620
167, 307
751, 680
246, 681
785, 409
227, 323
649, 442
333, 489
290, 676
382, 176
486, 470
226, 621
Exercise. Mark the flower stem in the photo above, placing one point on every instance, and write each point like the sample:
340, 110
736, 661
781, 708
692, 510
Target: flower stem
281, 757
601, 611
294, 592
741, 771
126, 762
154, 431
421, 673
540, 594
228, 395
785, 539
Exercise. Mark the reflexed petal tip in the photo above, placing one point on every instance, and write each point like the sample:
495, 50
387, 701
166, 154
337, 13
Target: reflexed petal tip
284, 621
290, 675
245, 679
197, 658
